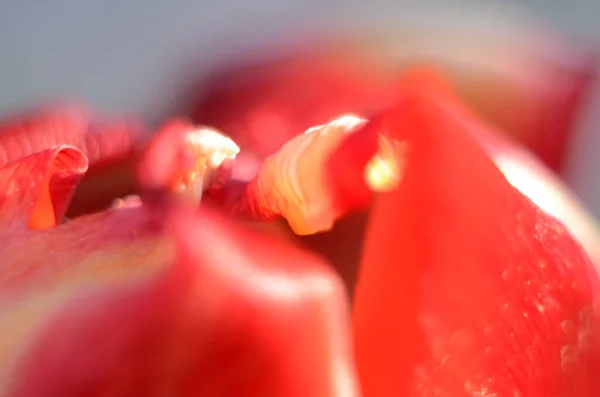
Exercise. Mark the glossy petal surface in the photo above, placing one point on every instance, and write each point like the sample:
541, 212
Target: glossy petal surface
466, 287
234, 315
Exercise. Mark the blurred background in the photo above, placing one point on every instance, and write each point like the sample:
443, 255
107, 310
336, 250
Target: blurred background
528, 67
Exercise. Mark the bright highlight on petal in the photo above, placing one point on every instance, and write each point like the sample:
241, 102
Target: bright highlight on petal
384, 172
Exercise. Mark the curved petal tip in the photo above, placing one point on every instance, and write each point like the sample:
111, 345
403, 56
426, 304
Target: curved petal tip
38, 188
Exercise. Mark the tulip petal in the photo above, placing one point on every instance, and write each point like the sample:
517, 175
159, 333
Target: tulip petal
263, 105
236, 314
165, 155
108, 146
542, 186
532, 88
38, 188
466, 287
49, 127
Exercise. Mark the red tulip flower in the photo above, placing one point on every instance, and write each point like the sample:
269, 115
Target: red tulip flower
466, 287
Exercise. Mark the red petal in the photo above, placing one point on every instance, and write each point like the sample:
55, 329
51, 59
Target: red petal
165, 155
37, 189
107, 145
265, 105
49, 127
523, 170
237, 314
531, 89
466, 287
542, 186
